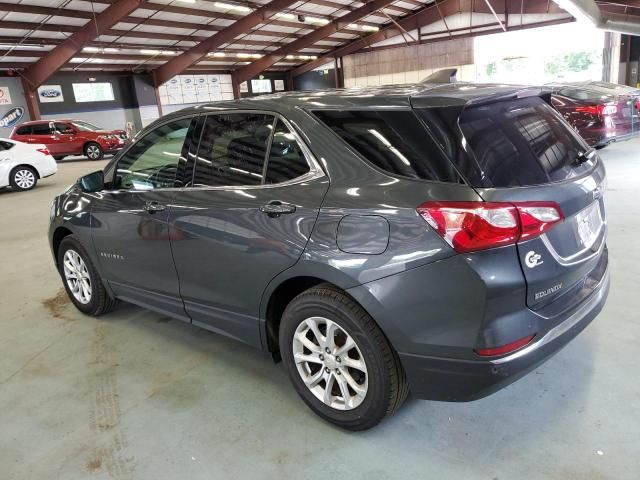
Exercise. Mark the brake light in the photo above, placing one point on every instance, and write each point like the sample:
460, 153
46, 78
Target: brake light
598, 109
508, 348
44, 151
473, 226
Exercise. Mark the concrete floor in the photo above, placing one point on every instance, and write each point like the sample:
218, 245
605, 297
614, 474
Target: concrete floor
135, 395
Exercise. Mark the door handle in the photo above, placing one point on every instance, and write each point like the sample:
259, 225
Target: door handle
277, 208
153, 207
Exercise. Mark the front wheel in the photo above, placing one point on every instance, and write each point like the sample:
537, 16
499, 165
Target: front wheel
23, 178
93, 151
81, 280
338, 359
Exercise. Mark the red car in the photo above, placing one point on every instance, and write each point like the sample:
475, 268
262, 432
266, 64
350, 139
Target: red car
70, 137
598, 115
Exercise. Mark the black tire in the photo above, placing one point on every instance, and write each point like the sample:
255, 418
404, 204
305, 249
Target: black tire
93, 151
23, 178
57, 158
100, 302
387, 384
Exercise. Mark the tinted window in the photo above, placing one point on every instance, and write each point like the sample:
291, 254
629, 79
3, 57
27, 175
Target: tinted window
519, 142
63, 128
5, 146
24, 130
395, 141
153, 160
582, 94
40, 129
232, 149
286, 160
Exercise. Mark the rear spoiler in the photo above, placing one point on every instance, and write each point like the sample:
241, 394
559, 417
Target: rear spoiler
467, 95
446, 75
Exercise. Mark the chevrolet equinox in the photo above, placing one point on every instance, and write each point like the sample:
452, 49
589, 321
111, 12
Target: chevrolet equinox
438, 239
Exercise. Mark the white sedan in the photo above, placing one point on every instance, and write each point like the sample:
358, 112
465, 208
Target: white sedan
22, 164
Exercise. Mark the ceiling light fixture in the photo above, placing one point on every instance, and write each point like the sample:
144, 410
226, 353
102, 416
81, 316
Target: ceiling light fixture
288, 16
369, 28
228, 6
320, 21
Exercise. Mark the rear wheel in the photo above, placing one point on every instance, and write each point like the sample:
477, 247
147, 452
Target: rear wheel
57, 158
93, 151
81, 280
23, 178
339, 361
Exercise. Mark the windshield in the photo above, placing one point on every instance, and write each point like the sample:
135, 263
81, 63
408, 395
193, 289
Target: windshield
85, 127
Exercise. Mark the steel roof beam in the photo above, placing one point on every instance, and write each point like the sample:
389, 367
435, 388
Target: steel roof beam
39, 72
245, 73
428, 15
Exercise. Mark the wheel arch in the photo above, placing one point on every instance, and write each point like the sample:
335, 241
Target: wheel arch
284, 288
56, 239
25, 165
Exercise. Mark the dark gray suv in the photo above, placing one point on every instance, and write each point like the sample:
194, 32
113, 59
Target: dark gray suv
438, 239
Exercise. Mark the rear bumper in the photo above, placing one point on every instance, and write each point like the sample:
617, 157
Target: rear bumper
448, 379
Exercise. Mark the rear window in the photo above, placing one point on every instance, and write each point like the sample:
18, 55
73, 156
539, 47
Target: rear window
582, 94
518, 143
394, 141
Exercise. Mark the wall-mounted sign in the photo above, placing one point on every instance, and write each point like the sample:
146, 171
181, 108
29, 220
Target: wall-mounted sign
12, 117
261, 85
5, 96
278, 85
244, 88
93, 92
50, 93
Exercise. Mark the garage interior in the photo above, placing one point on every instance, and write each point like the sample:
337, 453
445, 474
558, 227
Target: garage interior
137, 395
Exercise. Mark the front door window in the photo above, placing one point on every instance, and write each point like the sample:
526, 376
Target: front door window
152, 162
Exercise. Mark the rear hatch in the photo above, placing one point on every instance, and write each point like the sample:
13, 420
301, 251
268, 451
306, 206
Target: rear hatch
518, 149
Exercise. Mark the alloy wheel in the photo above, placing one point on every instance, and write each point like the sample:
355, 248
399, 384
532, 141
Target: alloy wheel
77, 276
93, 152
24, 178
330, 363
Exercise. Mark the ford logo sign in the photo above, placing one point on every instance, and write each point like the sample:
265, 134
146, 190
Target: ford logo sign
187, 80
50, 93
12, 117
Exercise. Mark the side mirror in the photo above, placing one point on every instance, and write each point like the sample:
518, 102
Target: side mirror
92, 182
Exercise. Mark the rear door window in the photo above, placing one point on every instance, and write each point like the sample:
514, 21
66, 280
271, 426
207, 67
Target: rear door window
233, 149
394, 141
24, 130
518, 143
40, 129
286, 159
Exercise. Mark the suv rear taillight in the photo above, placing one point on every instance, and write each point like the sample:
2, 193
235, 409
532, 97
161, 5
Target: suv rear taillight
599, 109
44, 151
473, 226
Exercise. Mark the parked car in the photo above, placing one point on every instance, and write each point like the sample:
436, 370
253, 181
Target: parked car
443, 239
22, 165
599, 114
70, 137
